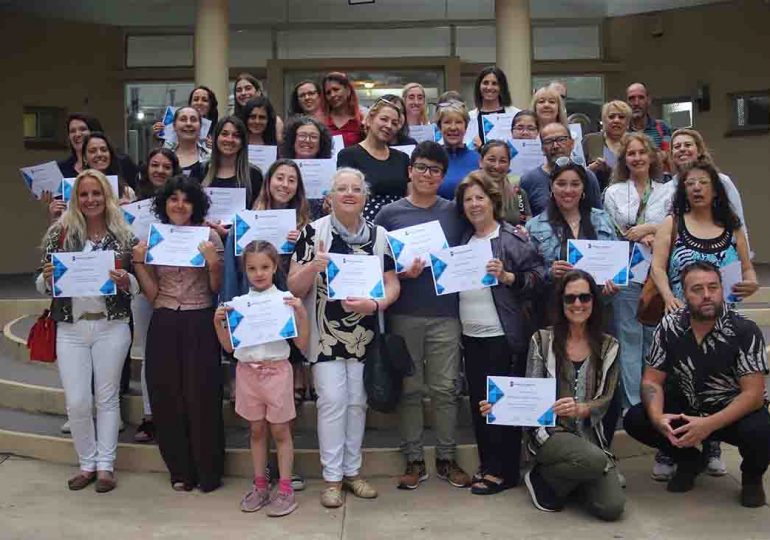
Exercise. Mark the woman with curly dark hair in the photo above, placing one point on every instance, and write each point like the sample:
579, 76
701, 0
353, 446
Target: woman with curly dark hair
184, 376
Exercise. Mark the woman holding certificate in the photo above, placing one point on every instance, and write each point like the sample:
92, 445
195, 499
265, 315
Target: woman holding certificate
495, 163
491, 96
573, 456
92, 331
637, 202
495, 324
184, 374
384, 168
341, 330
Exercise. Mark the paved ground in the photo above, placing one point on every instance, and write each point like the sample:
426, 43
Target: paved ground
34, 504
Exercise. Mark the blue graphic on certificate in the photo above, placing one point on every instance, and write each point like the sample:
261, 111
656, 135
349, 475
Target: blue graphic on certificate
139, 216
521, 401
83, 274
67, 185
526, 154
639, 263
354, 276
317, 176
44, 177
270, 225
414, 242
174, 245
603, 259
258, 319
225, 203
262, 156
462, 268
423, 133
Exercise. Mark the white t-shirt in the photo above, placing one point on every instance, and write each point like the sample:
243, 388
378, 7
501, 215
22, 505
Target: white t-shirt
621, 202
266, 352
478, 314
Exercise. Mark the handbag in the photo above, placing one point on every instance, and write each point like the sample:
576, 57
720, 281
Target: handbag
387, 363
41, 340
651, 307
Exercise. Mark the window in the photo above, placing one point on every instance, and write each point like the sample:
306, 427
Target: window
677, 114
750, 112
44, 128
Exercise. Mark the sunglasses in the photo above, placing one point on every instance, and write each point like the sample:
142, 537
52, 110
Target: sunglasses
583, 297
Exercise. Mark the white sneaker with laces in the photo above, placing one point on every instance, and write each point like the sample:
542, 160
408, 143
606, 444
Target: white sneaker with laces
662, 471
716, 467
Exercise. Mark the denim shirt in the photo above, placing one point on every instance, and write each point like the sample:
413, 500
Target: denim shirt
548, 243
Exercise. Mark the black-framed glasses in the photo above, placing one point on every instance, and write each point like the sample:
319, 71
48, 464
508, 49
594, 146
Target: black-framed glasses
308, 94
422, 168
560, 140
583, 297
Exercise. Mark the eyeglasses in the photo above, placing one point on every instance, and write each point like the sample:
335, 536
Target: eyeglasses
422, 168
525, 129
355, 190
305, 137
561, 139
583, 297
311, 93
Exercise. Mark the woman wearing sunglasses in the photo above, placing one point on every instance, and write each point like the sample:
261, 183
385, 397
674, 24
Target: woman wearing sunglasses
572, 457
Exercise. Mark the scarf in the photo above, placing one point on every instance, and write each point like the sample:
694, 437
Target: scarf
358, 238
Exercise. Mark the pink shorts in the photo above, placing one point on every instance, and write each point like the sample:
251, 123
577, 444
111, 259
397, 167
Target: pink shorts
265, 390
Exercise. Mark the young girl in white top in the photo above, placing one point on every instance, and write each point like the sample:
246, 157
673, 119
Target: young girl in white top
264, 384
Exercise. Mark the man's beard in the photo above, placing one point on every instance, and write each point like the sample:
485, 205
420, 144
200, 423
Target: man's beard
698, 315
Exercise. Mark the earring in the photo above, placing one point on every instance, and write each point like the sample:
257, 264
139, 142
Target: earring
583, 196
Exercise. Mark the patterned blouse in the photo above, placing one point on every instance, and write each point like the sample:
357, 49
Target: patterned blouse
342, 334
719, 251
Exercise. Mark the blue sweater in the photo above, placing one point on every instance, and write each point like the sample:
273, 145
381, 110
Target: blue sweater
461, 162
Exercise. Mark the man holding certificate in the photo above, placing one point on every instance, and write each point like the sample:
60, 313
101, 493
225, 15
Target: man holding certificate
427, 322
572, 456
184, 376
495, 322
86, 268
341, 330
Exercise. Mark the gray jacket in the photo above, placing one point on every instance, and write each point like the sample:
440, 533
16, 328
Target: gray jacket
512, 302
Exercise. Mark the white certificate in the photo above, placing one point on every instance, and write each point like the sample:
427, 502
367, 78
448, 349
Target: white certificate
498, 126
225, 203
354, 276
731, 274
174, 245
422, 133
409, 243
317, 176
639, 264
405, 148
521, 401
168, 133
603, 259
44, 177
462, 268
338, 143
260, 319
262, 156
68, 183
270, 225
83, 274
576, 132
526, 154
139, 216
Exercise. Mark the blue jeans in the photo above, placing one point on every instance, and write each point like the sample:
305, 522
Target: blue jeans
635, 340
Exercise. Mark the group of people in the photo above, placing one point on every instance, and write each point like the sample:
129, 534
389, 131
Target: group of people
693, 381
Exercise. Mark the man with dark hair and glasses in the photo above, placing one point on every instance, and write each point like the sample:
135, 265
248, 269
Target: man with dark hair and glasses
428, 323
556, 143
705, 379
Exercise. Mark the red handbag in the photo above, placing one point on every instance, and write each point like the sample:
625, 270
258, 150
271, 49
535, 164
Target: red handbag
41, 341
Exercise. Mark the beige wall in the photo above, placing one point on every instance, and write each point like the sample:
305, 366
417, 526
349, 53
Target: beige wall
727, 46
49, 63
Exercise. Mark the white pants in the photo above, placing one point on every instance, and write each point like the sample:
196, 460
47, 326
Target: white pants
93, 351
141, 309
341, 416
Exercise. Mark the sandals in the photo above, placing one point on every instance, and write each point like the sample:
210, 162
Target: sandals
485, 486
81, 481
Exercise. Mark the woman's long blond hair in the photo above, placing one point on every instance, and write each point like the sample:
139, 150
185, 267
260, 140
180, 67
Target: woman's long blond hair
73, 222
424, 112
561, 116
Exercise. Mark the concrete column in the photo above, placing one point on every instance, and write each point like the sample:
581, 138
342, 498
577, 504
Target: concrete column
211, 48
514, 48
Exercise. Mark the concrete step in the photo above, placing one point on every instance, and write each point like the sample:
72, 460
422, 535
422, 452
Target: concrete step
38, 436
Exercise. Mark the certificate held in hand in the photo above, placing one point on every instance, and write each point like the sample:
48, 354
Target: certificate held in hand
83, 274
603, 259
270, 225
462, 268
174, 245
225, 203
521, 401
257, 319
354, 276
415, 242
139, 216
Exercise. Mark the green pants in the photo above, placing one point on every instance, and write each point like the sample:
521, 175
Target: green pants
569, 463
